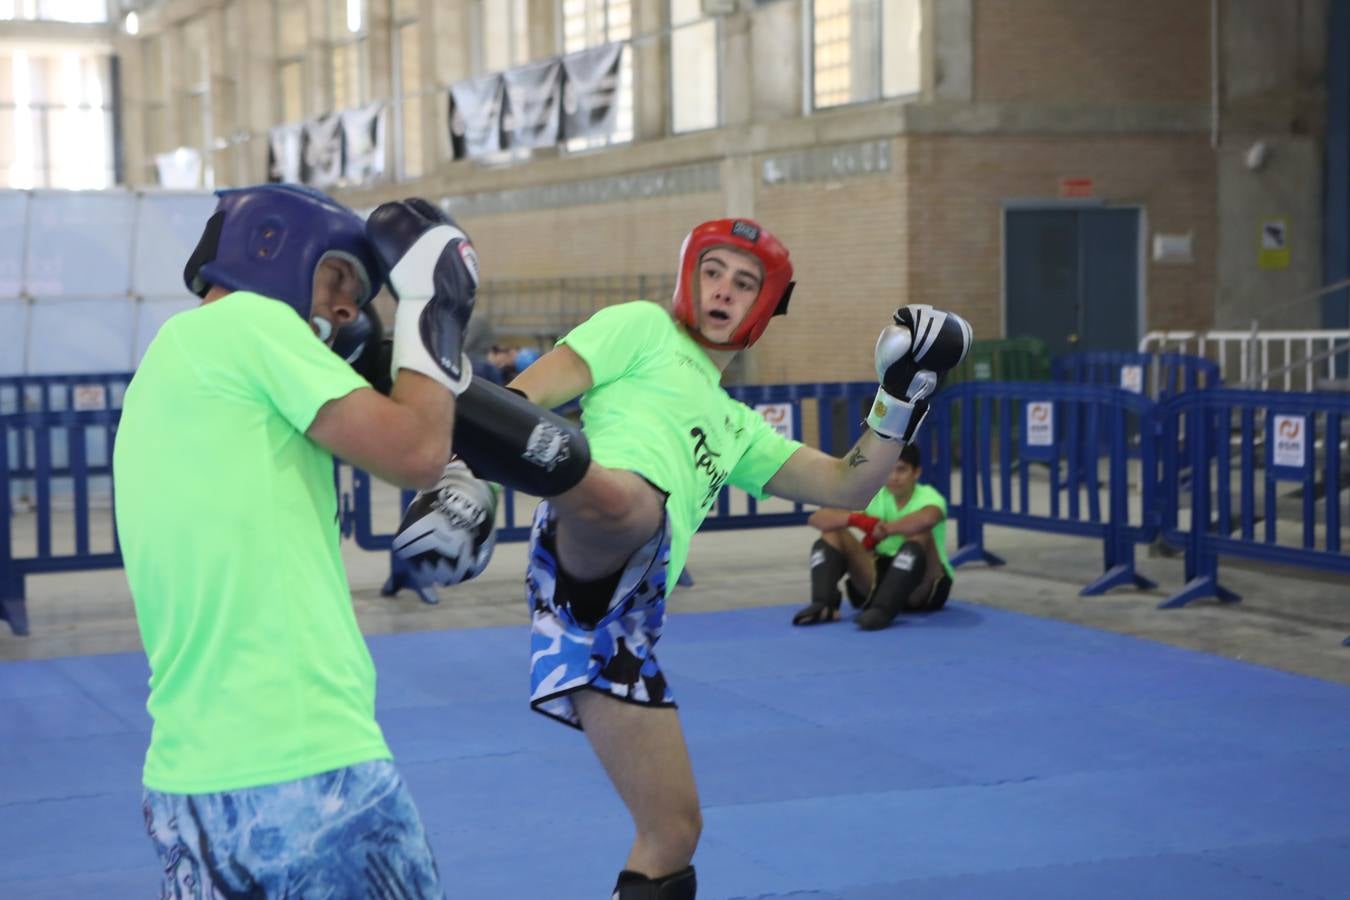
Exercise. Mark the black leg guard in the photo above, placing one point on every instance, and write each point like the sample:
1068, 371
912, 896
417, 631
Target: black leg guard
938, 598
507, 439
856, 598
636, 886
893, 590
827, 567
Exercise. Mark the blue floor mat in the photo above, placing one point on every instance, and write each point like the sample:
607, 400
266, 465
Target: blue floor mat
977, 753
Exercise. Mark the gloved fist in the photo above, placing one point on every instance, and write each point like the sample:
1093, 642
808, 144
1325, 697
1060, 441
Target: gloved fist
911, 356
448, 533
433, 271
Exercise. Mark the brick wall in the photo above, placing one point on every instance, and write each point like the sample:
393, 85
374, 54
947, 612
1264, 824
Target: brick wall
635, 237
847, 240
1092, 51
958, 186
928, 231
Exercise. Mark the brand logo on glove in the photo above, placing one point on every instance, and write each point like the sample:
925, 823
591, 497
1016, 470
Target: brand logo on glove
546, 447
470, 257
459, 510
879, 409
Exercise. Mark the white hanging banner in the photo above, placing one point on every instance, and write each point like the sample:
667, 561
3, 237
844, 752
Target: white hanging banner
323, 151
180, 169
363, 133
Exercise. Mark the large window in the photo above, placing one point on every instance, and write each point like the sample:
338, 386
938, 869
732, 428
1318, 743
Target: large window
55, 10
348, 34
590, 23
864, 50
292, 44
55, 119
504, 28
693, 68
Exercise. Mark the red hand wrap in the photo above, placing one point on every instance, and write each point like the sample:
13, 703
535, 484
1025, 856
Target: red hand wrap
862, 521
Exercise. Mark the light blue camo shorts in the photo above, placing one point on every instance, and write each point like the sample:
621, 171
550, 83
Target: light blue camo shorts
613, 655
352, 832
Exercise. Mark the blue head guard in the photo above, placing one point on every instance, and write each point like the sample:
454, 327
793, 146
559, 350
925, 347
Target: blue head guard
270, 239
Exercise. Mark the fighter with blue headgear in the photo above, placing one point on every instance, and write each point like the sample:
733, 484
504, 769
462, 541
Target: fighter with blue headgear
262, 690
271, 240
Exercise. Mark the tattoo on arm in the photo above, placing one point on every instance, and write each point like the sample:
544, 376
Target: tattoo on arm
855, 458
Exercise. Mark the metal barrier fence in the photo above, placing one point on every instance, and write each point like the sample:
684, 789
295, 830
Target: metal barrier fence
1156, 375
63, 452
40, 432
1242, 442
1007, 431
1005, 436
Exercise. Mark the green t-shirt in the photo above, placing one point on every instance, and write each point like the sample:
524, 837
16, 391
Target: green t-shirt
884, 507
657, 408
227, 517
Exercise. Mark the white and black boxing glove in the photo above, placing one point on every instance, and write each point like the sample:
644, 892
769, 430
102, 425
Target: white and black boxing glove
448, 532
433, 271
911, 357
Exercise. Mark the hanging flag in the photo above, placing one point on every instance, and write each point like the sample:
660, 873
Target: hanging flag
363, 141
530, 113
181, 168
476, 116
323, 151
591, 91
284, 143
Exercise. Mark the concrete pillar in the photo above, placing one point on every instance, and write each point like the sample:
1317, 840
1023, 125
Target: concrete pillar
447, 57
651, 69
948, 72
776, 61
736, 78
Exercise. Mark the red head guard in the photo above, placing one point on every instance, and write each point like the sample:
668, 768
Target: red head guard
774, 290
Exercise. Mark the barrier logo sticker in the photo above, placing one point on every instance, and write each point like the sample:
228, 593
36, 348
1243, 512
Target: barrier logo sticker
1132, 378
779, 415
89, 396
1040, 424
1291, 442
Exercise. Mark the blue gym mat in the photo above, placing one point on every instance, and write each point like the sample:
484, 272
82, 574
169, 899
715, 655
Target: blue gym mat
977, 753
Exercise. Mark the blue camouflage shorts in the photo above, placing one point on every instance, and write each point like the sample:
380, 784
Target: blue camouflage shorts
352, 832
613, 654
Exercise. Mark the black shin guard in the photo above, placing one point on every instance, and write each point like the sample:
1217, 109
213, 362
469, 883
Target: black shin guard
635, 886
828, 565
894, 589
507, 439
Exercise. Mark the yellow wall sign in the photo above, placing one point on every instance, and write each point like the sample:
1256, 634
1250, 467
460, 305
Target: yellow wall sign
1274, 244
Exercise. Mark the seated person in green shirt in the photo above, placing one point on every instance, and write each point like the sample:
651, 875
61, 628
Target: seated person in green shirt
900, 565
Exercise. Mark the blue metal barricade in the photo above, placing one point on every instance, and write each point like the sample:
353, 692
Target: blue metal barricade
1006, 426
1156, 375
87, 437
1242, 445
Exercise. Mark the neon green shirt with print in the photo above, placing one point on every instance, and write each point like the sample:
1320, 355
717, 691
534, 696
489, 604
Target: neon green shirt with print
657, 408
227, 517
884, 507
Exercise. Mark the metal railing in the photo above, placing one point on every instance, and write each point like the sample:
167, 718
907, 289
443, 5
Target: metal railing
1274, 360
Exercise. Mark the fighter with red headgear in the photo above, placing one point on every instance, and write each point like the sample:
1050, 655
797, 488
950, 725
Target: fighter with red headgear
663, 439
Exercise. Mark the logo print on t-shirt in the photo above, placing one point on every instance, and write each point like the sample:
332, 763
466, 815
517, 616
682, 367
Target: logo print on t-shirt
705, 461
